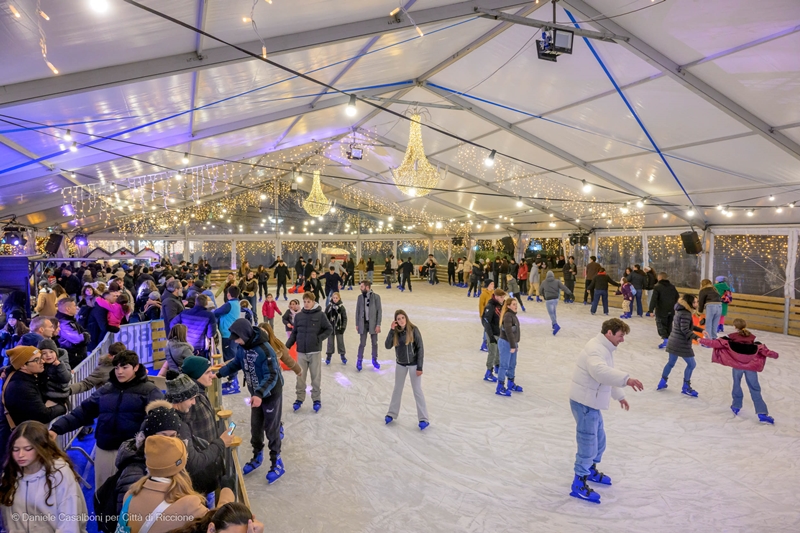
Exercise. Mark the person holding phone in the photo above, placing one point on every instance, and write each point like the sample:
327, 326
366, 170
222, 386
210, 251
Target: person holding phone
406, 340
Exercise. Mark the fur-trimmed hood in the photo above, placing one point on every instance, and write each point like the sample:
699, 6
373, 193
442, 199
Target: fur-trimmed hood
683, 304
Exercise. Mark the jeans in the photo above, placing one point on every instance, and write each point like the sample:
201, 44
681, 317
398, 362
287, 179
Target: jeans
400, 373
266, 420
591, 437
363, 342
687, 373
228, 353
751, 378
508, 361
253, 305
371, 276
309, 363
713, 314
551, 310
600, 294
638, 296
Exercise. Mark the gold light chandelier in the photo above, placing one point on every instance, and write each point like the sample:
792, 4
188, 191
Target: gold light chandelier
415, 176
316, 204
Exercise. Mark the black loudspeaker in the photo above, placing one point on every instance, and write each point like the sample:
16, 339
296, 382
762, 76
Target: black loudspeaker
691, 242
507, 245
53, 243
458, 241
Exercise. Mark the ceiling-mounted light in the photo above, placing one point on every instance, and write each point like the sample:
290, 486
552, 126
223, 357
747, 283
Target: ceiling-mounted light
489, 161
519, 203
608, 221
771, 197
14, 11
750, 212
185, 158
779, 209
43, 15
68, 136
552, 224
263, 196
99, 6
73, 147
690, 213
587, 187
719, 207
640, 204
664, 215
791, 205
623, 210
438, 225
394, 12
351, 106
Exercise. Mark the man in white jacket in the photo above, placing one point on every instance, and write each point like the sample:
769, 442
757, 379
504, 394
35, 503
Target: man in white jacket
594, 382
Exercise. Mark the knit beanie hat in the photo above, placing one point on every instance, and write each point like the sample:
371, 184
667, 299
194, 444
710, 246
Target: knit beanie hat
161, 416
719, 279
181, 389
164, 456
48, 344
21, 354
17, 314
30, 339
194, 366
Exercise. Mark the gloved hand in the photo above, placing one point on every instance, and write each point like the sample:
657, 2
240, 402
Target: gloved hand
86, 337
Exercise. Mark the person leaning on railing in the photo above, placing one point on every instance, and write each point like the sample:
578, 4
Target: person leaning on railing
101, 372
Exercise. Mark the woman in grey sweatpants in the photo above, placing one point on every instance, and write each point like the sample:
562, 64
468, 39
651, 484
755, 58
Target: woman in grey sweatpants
406, 340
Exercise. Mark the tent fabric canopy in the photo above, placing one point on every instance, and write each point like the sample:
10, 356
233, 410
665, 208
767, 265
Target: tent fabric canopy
698, 108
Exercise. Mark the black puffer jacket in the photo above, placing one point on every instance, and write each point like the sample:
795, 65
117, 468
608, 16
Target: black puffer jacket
118, 408
407, 354
680, 340
491, 320
130, 463
665, 296
311, 327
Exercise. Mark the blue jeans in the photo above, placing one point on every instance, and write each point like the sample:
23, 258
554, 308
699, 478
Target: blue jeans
508, 361
687, 373
596, 300
713, 314
551, 310
638, 297
751, 378
229, 350
371, 276
591, 437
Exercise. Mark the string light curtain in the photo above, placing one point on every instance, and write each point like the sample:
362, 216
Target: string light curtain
316, 204
256, 252
665, 253
217, 253
753, 264
619, 252
378, 251
415, 176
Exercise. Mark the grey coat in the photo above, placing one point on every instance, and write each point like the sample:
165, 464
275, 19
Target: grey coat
550, 288
680, 340
513, 286
375, 313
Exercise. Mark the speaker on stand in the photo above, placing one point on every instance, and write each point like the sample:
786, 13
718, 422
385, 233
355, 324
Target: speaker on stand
53, 243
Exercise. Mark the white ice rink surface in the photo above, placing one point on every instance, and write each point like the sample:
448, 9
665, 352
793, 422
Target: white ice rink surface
491, 463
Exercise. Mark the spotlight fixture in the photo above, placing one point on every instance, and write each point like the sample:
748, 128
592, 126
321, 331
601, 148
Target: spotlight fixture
640, 204
623, 210
489, 161
73, 147
263, 196
80, 239
779, 209
771, 197
13, 236
719, 207
553, 44
394, 12
351, 106
791, 205
690, 213
750, 212
185, 159
587, 187
664, 215
355, 152
519, 203
68, 136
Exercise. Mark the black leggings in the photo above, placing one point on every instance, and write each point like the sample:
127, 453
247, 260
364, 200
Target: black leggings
280, 284
473, 286
262, 289
523, 286
518, 296
461, 277
451, 278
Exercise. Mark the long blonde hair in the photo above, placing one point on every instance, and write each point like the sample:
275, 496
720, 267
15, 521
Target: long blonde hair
706, 283
273, 340
506, 304
409, 329
180, 485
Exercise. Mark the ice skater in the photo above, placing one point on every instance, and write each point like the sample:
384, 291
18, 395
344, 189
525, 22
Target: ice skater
409, 351
746, 357
551, 289
491, 326
369, 314
337, 316
311, 327
508, 347
514, 290
726, 296
662, 301
594, 382
679, 343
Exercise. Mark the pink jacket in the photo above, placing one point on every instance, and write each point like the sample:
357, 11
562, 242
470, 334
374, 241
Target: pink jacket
115, 312
737, 351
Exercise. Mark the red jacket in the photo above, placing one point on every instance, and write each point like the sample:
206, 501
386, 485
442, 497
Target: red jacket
522, 273
269, 309
737, 351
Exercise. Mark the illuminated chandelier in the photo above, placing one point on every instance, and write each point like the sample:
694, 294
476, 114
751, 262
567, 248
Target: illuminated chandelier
415, 176
316, 204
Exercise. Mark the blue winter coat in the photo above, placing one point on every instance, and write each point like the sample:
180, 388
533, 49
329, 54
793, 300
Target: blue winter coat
118, 408
260, 364
200, 324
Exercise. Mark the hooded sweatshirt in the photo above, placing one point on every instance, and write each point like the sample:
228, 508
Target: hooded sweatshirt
550, 288
311, 327
258, 360
65, 501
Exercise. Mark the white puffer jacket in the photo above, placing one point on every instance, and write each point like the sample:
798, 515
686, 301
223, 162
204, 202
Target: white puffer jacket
595, 380
64, 512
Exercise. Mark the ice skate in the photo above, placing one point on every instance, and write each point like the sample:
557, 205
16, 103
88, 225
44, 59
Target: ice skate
582, 491
297, 405
317, 406
556, 329
388, 419
276, 472
489, 376
598, 477
662, 384
688, 390
501, 389
513, 387
253, 463
766, 419
423, 424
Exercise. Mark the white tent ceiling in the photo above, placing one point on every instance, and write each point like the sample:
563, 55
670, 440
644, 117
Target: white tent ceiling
728, 123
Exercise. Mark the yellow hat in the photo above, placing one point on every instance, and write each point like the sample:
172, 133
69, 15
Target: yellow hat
164, 456
20, 355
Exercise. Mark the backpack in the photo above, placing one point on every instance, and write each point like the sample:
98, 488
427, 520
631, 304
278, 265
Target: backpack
105, 504
727, 297
633, 290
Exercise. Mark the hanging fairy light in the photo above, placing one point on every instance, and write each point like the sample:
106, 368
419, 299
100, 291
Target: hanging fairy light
316, 204
415, 176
